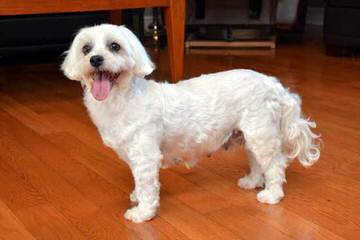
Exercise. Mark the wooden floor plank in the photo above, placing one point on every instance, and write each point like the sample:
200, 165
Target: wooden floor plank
110, 168
279, 226
45, 222
194, 225
25, 115
154, 229
60, 193
249, 227
16, 191
10, 227
87, 182
85, 132
42, 177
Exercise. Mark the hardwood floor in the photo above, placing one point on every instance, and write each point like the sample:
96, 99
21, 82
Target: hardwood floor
58, 181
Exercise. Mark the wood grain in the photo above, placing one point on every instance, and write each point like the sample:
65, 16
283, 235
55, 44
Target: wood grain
175, 28
58, 181
10, 227
46, 222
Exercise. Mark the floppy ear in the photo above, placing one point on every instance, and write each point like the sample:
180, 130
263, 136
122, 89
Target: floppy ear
69, 65
143, 65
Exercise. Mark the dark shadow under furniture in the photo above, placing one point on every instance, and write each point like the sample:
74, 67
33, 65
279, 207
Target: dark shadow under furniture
342, 26
41, 38
38, 38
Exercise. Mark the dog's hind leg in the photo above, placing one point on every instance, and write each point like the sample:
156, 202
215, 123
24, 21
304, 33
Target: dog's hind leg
274, 178
255, 178
269, 168
263, 140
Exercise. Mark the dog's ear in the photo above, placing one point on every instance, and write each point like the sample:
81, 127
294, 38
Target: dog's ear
143, 64
69, 65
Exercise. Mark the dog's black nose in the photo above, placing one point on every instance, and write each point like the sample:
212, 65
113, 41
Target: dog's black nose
96, 60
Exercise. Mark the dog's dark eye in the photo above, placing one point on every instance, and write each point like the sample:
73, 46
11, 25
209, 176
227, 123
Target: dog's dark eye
114, 47
86, 48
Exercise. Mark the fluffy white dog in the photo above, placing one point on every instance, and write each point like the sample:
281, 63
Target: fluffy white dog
152, 125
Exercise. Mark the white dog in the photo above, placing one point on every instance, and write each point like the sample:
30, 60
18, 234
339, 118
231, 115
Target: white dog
152, 125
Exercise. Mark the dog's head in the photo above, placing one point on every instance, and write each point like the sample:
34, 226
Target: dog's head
104, 56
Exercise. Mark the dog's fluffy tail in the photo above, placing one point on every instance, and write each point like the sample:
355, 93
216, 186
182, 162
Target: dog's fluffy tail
298, 139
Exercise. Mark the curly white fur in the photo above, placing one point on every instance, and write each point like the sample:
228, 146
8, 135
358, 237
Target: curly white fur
152, 125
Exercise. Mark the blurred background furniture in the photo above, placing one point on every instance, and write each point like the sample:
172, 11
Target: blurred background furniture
291, 15
245, 23
342, 26
174, 11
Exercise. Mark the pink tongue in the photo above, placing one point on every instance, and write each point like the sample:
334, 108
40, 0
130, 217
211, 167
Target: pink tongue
101, 86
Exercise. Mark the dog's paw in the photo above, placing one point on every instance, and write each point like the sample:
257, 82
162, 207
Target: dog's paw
248, 182
139, 214
270, 196
133, 197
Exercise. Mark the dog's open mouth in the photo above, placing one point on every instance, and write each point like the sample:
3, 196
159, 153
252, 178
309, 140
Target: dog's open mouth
103, 83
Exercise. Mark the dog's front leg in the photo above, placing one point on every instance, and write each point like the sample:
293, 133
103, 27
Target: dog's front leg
145, 166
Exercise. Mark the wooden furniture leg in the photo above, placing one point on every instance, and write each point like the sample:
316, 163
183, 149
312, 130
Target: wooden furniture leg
175, 28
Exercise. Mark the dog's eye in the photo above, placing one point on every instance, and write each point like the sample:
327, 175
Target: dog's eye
114, 47
86, 48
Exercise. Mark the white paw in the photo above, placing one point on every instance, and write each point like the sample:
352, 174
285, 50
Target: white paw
139, 214
248, 182
133, 197
270, 196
